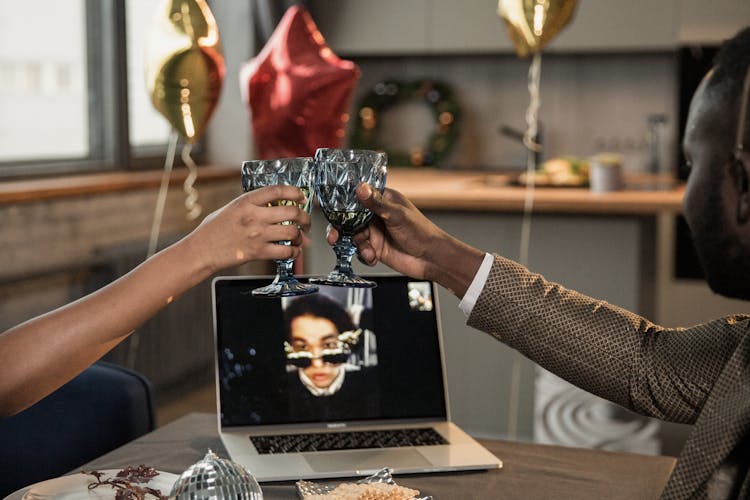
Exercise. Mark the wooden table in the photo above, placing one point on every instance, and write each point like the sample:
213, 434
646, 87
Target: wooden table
530, 470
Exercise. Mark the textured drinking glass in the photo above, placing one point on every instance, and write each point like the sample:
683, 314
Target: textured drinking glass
290, 172
337, 174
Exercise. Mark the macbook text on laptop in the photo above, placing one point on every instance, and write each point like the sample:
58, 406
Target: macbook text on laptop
305, 391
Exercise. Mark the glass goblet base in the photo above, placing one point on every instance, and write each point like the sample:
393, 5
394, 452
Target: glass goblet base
338, 278
289, 287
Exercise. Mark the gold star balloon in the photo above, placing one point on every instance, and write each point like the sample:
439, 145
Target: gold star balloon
185, 65
533, 23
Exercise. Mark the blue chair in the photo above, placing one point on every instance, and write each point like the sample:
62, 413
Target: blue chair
101, 409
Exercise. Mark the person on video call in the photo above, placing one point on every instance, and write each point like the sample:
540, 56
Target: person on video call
42, 354
698, 375
320, 338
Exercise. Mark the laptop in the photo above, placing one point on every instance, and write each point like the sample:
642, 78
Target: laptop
305, 391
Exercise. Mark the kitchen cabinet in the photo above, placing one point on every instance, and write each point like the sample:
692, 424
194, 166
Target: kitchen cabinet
704, 22
604, 25
599, 25
364, 27
392, 27
438, 27
468, 26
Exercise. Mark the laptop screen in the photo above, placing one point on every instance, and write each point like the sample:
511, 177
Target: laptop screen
341, 354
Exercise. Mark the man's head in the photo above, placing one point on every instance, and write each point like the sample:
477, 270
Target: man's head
313, 325
717, 199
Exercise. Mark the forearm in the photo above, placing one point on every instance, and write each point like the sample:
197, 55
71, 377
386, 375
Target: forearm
602, 348
42, 354
452, 263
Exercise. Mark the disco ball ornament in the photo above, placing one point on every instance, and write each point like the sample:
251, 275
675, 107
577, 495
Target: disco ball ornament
215, 478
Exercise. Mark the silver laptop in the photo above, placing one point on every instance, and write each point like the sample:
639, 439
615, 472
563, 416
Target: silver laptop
340, 383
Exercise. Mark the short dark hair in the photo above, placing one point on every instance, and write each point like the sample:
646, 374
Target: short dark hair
731, 62
320, 306
727, 77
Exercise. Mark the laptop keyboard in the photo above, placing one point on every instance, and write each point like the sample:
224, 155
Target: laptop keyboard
351, 440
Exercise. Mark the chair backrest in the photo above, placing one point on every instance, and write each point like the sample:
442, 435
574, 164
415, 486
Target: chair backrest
101, 409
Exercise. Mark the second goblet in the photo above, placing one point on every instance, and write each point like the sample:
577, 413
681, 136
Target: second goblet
337, 175
283, 171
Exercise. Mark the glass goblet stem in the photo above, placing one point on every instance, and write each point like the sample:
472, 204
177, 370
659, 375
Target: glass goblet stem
284, 269
344, 249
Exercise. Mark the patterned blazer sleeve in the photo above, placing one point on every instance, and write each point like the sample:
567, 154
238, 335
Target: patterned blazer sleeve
656, 371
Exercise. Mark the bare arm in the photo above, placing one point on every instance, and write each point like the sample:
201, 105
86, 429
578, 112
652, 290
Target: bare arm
40, 355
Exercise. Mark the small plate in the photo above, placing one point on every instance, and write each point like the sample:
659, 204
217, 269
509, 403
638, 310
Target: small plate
75, 487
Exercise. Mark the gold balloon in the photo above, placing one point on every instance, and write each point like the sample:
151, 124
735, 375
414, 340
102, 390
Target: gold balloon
533, 23
185, 65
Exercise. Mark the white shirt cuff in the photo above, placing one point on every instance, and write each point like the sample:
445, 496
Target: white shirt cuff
477, 285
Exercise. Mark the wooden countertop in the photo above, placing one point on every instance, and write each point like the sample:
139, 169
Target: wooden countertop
428, 188
434, 189
27, 190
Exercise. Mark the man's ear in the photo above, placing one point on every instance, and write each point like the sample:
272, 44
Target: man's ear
742, 165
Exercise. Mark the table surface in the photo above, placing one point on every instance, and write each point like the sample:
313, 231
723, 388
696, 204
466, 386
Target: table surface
529, 470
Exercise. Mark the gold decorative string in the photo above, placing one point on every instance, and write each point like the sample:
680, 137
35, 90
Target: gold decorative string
161, 198
191, 193
529, 140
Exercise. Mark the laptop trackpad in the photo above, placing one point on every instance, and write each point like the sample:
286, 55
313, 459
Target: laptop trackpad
366, 460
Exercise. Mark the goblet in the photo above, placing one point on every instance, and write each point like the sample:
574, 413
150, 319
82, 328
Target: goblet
337, 175
290, 172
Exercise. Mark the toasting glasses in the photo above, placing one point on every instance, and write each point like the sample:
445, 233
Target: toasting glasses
337, 174
290, 172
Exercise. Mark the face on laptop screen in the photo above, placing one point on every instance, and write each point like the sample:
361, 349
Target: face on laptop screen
338, 355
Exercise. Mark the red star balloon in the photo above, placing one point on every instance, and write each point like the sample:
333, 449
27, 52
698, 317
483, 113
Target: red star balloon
298, 90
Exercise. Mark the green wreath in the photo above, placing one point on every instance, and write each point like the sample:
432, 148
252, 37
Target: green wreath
437, 95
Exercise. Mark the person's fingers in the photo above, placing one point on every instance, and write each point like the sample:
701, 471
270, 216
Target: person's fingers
270, 194
288, 232
366, 252
370, 198
304, 221
306, 240
281, 232
281, 252
384, 205
289, 213
298, 239
362, 236
361, 259
367, 255
331, 234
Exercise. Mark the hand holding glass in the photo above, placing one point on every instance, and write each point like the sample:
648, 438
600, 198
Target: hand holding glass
337, 174
289, 172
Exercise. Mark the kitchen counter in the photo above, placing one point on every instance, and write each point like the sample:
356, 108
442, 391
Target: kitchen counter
434, 189
428, 188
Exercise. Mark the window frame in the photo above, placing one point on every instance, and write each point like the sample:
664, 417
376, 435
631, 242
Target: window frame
107, 86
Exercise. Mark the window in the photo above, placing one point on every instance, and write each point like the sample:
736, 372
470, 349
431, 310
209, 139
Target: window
42, 80
147, 127
67, 102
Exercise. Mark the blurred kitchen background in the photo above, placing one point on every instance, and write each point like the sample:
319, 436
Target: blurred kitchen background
617, 79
